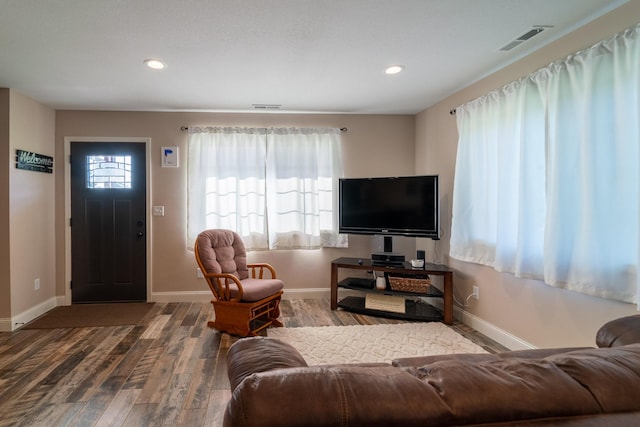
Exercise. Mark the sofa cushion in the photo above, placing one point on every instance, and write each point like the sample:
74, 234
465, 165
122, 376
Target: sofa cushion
573, 383
612, 375
331, 396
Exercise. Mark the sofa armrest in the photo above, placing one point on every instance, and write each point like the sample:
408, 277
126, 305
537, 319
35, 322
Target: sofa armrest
260, 354
623, 331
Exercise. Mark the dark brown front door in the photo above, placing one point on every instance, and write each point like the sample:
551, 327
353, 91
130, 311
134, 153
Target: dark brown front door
108, 222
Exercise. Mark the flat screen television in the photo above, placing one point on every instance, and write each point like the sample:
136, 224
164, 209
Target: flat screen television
401, 206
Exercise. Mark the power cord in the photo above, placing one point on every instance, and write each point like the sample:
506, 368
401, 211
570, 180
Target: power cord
436, 255
466, 301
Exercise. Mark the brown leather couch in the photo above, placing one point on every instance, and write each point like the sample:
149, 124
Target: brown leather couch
273, 386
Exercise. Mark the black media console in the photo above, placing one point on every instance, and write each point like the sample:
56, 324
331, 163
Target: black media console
414, 310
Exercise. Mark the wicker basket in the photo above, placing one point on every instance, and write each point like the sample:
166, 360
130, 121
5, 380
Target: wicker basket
409, 284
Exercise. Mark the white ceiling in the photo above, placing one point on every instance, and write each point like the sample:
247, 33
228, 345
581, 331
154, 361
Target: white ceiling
306, 55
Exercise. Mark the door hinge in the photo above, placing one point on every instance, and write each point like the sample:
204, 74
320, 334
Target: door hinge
70, 222
69, 158
70, 284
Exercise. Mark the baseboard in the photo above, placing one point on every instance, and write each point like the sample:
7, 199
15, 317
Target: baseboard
8, 325
205, 296
491, 331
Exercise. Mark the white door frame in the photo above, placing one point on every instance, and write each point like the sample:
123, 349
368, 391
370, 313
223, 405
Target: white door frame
67, 205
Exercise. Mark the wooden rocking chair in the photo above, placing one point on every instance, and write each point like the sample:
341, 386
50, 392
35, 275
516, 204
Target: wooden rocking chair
244, 300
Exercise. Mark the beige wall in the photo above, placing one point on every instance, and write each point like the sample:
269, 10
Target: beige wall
31, 206
372, 146
5, 268
530, 310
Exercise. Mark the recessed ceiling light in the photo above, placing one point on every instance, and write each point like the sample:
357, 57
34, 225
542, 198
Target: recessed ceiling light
155, 64
394, 69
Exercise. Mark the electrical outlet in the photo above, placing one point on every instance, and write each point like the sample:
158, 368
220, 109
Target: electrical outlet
475, 292
36, 284
199, 274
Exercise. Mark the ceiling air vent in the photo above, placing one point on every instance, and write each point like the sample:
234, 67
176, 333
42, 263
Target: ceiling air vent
510, 45
534, 31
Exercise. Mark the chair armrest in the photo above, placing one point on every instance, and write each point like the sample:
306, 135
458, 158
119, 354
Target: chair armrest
260, 268
223, 291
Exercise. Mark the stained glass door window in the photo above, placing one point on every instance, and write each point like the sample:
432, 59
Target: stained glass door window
108, 171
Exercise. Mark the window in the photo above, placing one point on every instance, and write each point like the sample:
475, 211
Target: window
276, 187
107, 171
548, 174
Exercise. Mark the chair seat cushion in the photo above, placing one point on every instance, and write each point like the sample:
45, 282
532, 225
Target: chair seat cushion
256, 289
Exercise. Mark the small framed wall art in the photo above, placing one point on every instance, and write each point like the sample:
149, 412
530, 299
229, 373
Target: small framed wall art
170, 157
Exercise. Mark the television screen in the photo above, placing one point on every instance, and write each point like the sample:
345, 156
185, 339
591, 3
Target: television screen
406, 206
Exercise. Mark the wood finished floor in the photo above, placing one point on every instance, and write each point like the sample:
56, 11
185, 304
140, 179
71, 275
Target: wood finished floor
169, 370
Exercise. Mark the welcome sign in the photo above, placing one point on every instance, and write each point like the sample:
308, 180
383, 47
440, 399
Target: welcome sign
33, 161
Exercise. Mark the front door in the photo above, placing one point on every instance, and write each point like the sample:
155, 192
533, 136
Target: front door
108, 222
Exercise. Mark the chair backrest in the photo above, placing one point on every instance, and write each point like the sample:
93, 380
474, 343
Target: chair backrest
222, 251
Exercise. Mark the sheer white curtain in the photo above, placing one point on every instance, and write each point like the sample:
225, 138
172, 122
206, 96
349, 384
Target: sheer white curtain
303, 167
548, 173
498, 200
276, 187
226, 183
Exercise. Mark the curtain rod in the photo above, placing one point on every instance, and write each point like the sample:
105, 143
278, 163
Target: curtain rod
183, 128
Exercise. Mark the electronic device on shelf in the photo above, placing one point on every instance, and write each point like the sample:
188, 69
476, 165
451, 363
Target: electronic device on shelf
390, 206
387, 258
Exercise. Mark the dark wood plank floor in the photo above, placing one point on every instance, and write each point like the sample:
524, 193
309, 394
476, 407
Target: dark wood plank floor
170, 369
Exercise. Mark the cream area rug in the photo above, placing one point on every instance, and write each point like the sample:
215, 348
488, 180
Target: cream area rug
373, 343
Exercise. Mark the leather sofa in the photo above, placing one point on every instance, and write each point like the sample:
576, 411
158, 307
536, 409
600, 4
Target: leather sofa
273, 386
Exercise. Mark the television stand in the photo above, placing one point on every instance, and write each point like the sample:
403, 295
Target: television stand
414, 310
